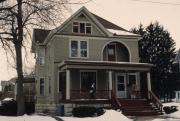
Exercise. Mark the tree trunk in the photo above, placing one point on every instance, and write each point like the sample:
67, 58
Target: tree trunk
20, 95
18, 48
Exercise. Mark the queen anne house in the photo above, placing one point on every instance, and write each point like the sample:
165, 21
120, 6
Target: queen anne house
88, 60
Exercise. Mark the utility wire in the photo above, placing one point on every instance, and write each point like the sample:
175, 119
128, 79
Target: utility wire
165, 3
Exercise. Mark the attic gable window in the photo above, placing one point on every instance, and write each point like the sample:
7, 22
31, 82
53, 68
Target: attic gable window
82, 27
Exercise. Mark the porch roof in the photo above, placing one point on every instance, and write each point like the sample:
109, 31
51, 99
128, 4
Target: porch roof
106, 65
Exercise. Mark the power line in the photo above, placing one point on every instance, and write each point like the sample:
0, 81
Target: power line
165, 3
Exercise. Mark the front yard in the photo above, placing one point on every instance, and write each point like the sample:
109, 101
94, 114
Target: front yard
109, 115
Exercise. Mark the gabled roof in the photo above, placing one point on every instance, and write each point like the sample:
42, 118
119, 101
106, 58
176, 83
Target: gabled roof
42, 36
107, 24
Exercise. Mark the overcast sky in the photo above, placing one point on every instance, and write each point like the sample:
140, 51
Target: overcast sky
127, 14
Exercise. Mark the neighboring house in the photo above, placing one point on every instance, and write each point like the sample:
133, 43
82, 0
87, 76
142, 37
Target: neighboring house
7, 86
29, 88
87, 60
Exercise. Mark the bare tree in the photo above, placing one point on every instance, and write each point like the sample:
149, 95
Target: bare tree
17, 17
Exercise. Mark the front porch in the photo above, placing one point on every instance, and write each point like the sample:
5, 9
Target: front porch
98, 80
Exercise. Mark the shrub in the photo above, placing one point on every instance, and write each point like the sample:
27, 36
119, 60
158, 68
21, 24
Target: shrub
85, 111
170, 109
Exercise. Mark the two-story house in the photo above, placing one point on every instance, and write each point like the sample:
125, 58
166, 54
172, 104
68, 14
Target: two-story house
87, 60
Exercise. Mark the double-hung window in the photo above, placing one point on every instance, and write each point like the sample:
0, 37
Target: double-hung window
78, 48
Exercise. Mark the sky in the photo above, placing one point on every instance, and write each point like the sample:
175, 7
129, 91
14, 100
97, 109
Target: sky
127, 14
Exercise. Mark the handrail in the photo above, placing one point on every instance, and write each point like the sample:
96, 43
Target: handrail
114, 101
155, 100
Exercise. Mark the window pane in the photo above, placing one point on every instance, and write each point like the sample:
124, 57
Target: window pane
74, 44
41, 60
82, 27
42, 86
121, 87
88, 24
88, 30
83, 44
83, 53
74, 48
75, 29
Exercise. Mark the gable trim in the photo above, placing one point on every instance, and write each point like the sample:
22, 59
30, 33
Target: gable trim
99, 25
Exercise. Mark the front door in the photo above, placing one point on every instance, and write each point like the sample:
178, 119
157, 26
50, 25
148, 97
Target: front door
121, 85
111, 51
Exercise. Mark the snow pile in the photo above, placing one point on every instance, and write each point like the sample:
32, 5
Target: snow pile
109, 115
175, 114
26, 118
8, 99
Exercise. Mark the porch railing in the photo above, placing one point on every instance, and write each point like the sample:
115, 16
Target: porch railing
155, 100
86, 94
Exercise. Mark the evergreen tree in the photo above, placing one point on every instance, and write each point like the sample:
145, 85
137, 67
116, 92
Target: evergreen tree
157, 47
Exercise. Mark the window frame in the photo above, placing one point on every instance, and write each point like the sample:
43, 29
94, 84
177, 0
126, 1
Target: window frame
79, 48
89, 71
85, 27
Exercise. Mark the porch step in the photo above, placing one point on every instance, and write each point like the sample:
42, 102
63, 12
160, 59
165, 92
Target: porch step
137, 107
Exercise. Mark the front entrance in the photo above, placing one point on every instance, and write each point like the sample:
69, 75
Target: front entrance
121, 85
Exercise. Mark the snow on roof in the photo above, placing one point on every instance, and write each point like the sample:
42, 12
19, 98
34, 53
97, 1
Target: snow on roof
110, 115
120, 32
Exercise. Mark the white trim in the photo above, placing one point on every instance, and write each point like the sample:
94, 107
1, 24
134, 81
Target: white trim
79, 49
64, 24
40, 86
119, 41
89, 71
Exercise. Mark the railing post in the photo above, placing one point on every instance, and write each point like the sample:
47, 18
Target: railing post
110, 83
149, 84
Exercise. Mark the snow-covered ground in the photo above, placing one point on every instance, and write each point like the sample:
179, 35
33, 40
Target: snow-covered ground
27, 118
109, 115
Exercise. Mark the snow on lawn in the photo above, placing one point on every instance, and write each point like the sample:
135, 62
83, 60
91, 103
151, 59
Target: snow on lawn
26, 118
109, 115
170, 117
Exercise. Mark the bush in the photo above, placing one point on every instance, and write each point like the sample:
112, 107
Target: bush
170, 109
85, 111
8, 108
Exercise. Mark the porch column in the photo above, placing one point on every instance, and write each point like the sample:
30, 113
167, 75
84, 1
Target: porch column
148, 83
110, 83
67, 84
